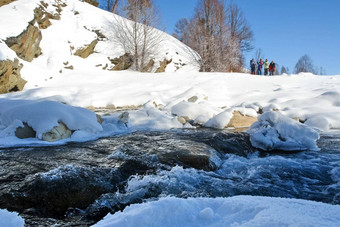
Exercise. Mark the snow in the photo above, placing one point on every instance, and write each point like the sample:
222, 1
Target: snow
232, 211
10, 219
274, 131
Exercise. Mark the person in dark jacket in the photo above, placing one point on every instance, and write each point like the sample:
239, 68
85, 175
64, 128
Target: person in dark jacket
259, 67
252, 66
272, 68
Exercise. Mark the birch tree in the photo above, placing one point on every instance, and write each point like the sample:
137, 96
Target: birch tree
137, 35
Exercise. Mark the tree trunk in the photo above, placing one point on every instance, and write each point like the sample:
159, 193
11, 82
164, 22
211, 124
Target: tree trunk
115, 7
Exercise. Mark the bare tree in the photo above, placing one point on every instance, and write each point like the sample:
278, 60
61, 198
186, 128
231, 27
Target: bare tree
305, 64
239, 28
218, 33
137, 35
258, 54
284, 70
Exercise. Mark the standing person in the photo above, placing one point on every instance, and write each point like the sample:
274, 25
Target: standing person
266, 67
259, 67
272, 68
252, 66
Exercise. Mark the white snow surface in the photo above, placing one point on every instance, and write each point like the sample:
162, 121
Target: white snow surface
274, 131
10, 219
232, 211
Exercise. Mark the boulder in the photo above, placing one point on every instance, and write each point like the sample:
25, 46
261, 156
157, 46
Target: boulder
25, 132
241, 121
26, 45
162, 66
87, 50
57, 133
10, 78
122, 63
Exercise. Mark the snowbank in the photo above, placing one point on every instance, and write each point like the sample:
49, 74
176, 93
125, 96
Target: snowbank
10, 219
233, 211
43, 115
274, 131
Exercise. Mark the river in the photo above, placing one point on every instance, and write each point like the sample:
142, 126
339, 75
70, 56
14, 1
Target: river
79, 183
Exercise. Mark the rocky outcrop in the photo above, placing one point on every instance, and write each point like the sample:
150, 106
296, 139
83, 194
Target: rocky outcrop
5, 2
57, 133
87, 50
92, 2
26, 45
241, 121
149, 66
162, 66
10, 78
122, 63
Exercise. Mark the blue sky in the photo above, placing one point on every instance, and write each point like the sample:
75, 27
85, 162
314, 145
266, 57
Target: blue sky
284, 29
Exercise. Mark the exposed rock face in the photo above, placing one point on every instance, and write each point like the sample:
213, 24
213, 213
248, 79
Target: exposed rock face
57, 133
163, 65
10, 78
92, 2
25, 132
241, 121
26, 45
149, 66
87, 50
122, 63
124, 117
5, 2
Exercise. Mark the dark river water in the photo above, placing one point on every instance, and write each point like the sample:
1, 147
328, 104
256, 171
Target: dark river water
79, 183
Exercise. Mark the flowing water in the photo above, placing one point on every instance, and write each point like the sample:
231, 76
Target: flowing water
79, 183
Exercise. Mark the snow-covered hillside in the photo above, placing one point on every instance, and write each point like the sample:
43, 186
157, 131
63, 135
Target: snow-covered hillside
75, 25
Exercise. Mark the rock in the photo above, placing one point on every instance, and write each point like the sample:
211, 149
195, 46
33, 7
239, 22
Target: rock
87, 50
99, 119
92, 2
5, 2
122, 63
163, 65
25, 132
26, 45
149, 66
57, 133
181, 120
241, 121
10, 78
124, 117
69, 67
193, 99
111, 107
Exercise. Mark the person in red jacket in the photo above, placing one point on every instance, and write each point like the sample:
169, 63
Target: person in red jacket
272, 68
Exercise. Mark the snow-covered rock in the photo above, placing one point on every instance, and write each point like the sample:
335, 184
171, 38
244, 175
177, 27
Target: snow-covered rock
44, 116
274, 131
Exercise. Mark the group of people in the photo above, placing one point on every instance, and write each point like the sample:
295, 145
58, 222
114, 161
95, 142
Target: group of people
268, 67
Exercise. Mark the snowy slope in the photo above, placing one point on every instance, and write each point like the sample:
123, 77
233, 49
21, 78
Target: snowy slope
80, 24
